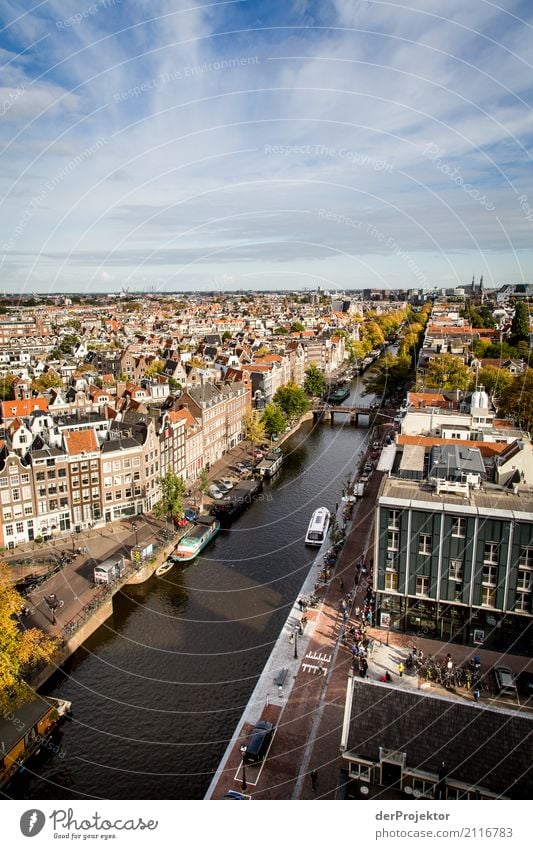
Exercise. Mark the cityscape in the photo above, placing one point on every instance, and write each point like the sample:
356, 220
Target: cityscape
266, 404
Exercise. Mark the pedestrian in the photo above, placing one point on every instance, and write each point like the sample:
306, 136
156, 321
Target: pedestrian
341, 582
400, 669
477, 694
314, 779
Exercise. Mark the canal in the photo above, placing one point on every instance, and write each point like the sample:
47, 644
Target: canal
158, 690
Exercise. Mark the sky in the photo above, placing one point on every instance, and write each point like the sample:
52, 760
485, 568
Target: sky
254, 144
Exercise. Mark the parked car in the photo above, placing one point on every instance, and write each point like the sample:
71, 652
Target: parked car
241, 468
258, 455
190, 514
214, 492
222, 487
227, 483
505, 681
258, 742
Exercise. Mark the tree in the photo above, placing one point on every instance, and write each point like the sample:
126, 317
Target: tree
446, 371
73, 322
173, 489
292, 400
68, 343
226, 335
388, 376
520, 324
48, 380
157, 367
173, 384
5, 386
254, 429
281, 331
273, 419
297, 327
495, 380
517, 400
315, 382
20, 650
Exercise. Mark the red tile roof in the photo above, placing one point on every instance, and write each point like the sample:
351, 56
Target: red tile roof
78, 441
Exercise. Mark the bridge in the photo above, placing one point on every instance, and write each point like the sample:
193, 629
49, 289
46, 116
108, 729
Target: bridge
323, 410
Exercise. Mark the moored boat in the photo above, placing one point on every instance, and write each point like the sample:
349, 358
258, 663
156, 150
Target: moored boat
272, 463
192, 543
318, 527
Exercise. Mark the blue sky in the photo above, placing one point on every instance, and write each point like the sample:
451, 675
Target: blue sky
180, 145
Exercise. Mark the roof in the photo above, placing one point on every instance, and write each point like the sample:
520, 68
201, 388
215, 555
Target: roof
27, 716
455, 459
80, 441
23, 407
487, 449
479, 745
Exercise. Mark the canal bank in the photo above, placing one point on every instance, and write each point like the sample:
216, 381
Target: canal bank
159, 688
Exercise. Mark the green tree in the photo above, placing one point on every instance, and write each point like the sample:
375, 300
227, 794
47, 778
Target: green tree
517, 400
495, 380
173, 384
292, 400
226, 335
73, 322
297, 327
68, 343
173, 489
446, 371
21, 650
388, 377
5, 386
520, 324
281, 331
273, 419
254, 429
315, 382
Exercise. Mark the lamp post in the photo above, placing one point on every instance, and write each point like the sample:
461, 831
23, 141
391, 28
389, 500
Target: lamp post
296, 643
73, 538
134, 529
244, 786
53, 603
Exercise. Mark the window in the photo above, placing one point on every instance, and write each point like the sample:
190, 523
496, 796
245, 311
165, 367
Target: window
393, 541
75, 481
394, 520
526, 557
490, 576
116, 465
109, 496
523, 603
361, 771
458, 526
391, 581
136, 476
24, 478
14, 480
53, 504
424, 544
422, 585
61, 473
7, 515
457, 592
86, 494
118, 495
28, 510
455, 571
488, 597
524, 581
51, 474
15, 494
39, 476
491, 552
107, 467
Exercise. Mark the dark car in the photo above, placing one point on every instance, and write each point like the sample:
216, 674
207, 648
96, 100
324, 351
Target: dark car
258, 742
190, 514
524, 684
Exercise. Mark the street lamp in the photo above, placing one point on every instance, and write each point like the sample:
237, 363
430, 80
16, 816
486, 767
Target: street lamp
296, 643
244, 786
134, 529
53, 603
73, 537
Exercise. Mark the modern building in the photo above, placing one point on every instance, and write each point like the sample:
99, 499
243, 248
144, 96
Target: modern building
453, 551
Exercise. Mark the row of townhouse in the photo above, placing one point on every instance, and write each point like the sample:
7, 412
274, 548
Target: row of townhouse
61, 475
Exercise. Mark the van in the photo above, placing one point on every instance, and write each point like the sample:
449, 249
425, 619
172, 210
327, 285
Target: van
258, 742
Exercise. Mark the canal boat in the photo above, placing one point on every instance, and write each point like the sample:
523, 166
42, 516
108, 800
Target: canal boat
338, 395
192, 543
318, 527
272, 463
236, 502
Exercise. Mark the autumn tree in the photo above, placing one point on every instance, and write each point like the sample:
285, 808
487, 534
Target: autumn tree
315, 382
48, 380
446, 371
155, 368
20, 650
297, 327
495, 380
254, 429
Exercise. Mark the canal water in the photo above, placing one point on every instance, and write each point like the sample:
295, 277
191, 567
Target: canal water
158, 690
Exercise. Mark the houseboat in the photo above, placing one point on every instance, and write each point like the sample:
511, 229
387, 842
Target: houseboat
236, 502
192, 543
28, 730
318, 527
272, 463
339, 394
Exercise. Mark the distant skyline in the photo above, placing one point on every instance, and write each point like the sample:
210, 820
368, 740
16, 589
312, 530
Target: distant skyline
255, 144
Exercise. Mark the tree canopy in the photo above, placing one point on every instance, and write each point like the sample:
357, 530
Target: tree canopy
446, 371
315, 382
173, 488
517, 400
254, 429
48, 380
297, 327
20, 650
273, 419
292, 400
520, 324
495, 380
